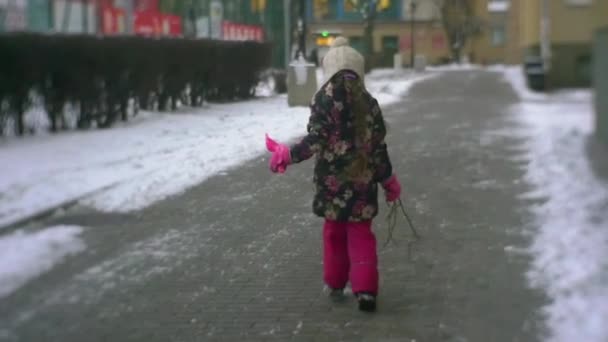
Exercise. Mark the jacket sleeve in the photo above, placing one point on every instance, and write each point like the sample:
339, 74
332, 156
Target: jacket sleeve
318, 128
382, 161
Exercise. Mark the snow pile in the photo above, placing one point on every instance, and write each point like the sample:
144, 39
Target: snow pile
515, 76
570, 247
24, 256
388, 86
155, 156
455, 67
139, 163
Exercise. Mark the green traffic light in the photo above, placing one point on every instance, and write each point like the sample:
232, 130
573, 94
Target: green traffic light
325, 34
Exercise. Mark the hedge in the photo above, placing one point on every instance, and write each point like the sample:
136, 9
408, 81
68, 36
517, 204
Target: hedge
102, 74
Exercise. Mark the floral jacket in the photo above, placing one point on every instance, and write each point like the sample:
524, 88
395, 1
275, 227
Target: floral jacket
331, 137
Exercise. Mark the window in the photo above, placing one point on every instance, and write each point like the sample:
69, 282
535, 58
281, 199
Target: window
498, 36
353, 5
498, 5
324, 9
390, 44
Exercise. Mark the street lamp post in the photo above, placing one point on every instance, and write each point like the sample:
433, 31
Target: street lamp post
287, 34
413, 6
130, 10
302, 29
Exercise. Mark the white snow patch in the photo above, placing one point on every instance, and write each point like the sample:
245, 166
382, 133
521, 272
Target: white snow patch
488, 184
134, 165
24, 256
455, 67
298, 328
570, 247
515, 76
389, 88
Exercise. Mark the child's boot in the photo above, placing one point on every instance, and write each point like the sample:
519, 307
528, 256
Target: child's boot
367, 301
336, 295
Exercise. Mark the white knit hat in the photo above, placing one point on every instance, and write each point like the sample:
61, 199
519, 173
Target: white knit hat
340, 57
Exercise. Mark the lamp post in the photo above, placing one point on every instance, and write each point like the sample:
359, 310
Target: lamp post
302, 29
287, 33
545, 35
413, 5
130, 11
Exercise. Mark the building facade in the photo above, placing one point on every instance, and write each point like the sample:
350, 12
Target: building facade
258, 20
392, 32
497, 39
567, 36
560, 32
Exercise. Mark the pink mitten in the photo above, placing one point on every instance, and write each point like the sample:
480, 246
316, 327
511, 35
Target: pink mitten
281, 156
392, 188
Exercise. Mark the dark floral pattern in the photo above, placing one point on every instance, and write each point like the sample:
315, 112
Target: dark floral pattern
331, 137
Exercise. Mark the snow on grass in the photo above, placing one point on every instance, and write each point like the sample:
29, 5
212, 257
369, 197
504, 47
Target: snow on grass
155, 156
570, 245
24, 256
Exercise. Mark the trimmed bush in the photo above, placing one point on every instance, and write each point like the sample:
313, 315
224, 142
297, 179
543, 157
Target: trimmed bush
101, 75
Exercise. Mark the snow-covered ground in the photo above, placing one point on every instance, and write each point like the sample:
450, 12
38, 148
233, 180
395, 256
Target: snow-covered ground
24, 256
134, 165
570, 244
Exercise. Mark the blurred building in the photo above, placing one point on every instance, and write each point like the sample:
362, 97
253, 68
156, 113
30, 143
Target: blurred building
392, 29
257, 20
565, 42
558, 32
497, 39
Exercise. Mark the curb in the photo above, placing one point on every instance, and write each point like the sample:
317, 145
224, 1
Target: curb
44, 213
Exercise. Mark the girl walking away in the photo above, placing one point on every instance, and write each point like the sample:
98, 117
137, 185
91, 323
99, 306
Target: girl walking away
346, 133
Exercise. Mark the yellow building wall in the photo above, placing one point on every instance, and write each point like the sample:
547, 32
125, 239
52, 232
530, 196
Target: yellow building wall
513, 52
575, 24
601, 13
482, 50
569, 24
529, 18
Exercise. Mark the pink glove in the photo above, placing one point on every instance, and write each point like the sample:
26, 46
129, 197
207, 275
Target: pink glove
281, 156
392, 188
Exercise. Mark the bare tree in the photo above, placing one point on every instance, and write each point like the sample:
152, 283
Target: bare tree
459, 23
368, 10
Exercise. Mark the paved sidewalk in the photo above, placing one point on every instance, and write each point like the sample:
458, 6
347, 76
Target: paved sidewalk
238, 257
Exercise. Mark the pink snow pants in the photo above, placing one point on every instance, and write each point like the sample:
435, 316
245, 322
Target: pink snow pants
350, 247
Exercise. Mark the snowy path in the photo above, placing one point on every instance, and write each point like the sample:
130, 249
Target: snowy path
237, 257
135, 165
500, 188
570, 245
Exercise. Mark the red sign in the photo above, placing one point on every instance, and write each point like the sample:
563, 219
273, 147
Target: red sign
147, 23
172, 25
113, 20
405, 43
146, 5
147, 19
234, 31
152, 23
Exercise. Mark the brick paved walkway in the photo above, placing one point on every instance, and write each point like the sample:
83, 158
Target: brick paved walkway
238, 257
